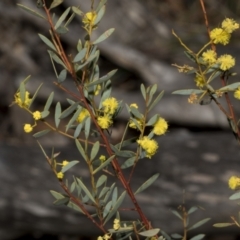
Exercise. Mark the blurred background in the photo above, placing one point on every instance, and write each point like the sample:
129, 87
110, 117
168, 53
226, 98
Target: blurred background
198, 153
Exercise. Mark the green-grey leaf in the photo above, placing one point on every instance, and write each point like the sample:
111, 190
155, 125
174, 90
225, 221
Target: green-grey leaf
101, 3
95, 150
41, 133
220, 225
198, 237
79, 57
44, 114
78, 130
109, 193
69, 165
101, 181
188, 91
62, 18
62, 30
79, 45
77, 11
62, 76
176, 213
115, 207
152, 120
100, 14
136, 113
57, 114
176, 235
103, 192
35, 95
104, 36
143, 91
128, 163
190, 56
61, 201
156, 100
47, 42
200, 223
55, 3
29, 10
114, 195
81, 150
89, 60
165, 235
75, 207
87, 127
107, 209
150, 233
84, 188
230, 87
49, 102
103, 79
148, 183
73, 186
103, 165
192, 210
57, 195
235, 196
74, 117
69, 110
56, 58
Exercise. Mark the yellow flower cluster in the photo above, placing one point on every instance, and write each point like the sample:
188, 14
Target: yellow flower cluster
116, 224
60, 175
110, 105
223, 35
26, 102
138, 120
226, 62
209, 57
82, 115
237, 93
102, 158
160, 127
104, 121
105, 237
89, 18
37, 115
97, 91
149, 145
27, 128
234, 183
200, 81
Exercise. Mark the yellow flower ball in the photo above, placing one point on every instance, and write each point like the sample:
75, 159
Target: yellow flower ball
219, 35
226, 62
37, 115
60, 175
104, 121
28, 128
149, 145
209, 56
237, 94
160, 127
200, 81
229, 25
82, 115
234, 182
110, 105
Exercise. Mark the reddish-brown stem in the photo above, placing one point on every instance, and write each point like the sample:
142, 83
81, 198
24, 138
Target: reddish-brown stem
206, 23
230, 116
115, 163
75, 200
